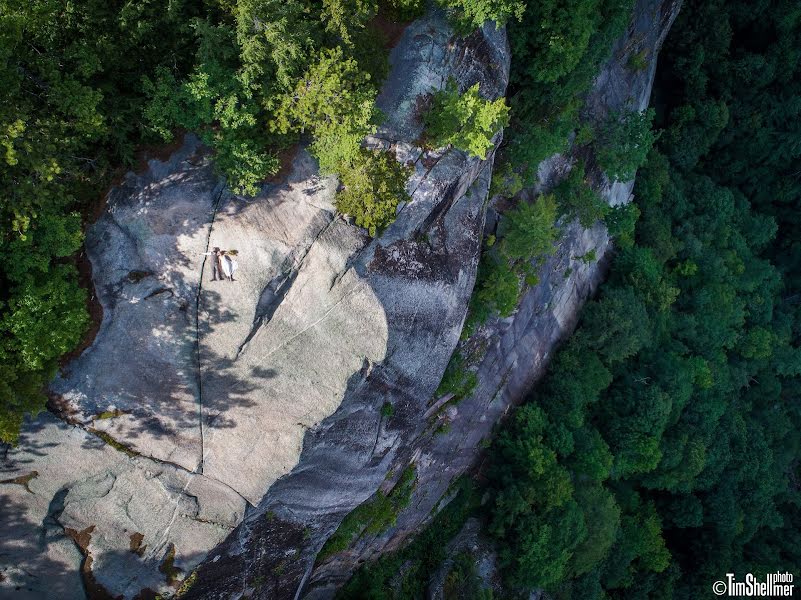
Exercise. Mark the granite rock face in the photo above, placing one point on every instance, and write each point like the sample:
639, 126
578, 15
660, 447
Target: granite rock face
80, 516
258, 411
514, 352
229, 427
421, 270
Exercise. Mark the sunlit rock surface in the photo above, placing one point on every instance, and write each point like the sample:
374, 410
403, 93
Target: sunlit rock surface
421, 270
202, 403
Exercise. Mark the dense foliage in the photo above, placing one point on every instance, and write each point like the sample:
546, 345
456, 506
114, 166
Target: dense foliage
372, 517
623, 142
661, 451
376, 176
70, 107
406, 573
466, 121
467, 15
557, 49
578, 200
527, 235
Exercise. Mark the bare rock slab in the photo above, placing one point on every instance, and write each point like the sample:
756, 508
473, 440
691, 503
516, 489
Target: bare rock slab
78, 513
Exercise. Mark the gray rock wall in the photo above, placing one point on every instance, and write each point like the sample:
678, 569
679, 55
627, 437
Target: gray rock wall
516, 349
422, 271
233, 425
202, 403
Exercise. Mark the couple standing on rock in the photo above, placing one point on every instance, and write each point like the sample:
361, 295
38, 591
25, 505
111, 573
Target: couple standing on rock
223, 266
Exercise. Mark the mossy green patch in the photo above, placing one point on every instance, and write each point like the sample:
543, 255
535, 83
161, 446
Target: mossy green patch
372, 517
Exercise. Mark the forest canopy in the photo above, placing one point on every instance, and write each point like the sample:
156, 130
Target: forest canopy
661, 450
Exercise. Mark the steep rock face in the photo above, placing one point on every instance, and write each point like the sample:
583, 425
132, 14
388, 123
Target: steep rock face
514, 351
422, 270
198, 396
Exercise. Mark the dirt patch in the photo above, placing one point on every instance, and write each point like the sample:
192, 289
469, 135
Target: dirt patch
65, 411
390, 28
142, 155
82, 538
23, 480
93, 589
136, 544
171, 572
93, 307
285, 157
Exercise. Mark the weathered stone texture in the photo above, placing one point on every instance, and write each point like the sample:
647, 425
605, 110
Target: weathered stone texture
203, 402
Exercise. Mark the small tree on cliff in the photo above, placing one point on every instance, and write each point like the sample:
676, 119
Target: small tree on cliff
466, 121
624, 142
373, 186
468, 15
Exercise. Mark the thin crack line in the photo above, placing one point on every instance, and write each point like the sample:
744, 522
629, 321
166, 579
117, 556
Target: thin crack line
197, 334
290, 269
353, 288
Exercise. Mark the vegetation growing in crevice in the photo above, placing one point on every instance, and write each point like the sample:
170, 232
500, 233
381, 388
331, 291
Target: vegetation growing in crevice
458, 379
466, 121
462, 582
167, 566
623, 142
527, 235
407, 572
577, 200
111, 441
371, 517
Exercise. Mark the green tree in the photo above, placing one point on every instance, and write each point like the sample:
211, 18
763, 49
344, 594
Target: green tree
373, 186
554, 36
275, 39
620, 222
616, 326
529, 230
471, 14
335, 100
466, 121
497, 289
578, 200
623, 143
344, 17
602, 519
529, 234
